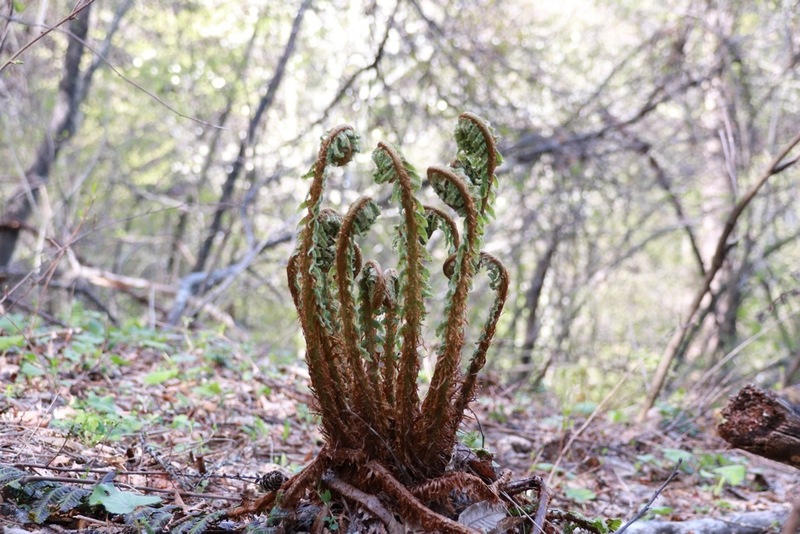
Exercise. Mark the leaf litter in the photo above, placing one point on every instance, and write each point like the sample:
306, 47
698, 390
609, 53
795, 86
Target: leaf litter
196, 420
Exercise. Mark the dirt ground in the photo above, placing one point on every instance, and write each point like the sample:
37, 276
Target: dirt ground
196, 426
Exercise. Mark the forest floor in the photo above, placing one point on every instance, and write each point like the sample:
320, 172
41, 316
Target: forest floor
194, 420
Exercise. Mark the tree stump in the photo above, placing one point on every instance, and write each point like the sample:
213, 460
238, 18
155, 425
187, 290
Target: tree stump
764, 423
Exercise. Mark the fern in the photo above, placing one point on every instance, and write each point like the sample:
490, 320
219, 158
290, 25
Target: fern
363, 325
10, 474
198, 525
64, 498
149, 519
72, 498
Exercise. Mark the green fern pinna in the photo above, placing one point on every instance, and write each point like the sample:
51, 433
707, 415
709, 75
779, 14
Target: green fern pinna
362, 323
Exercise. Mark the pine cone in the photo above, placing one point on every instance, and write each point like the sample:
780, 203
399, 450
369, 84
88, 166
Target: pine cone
271, 481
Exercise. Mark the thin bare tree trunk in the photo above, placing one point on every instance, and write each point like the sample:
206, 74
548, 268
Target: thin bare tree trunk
532, 298
72, 91
62, 127
677, 344
266, 102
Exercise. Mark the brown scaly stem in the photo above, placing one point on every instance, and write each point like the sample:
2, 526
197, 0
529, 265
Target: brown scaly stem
324, 387
437, 411
479, 356
389, 370
364, 397
413, 310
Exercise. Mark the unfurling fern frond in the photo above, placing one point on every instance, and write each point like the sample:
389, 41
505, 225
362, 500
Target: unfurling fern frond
363, 325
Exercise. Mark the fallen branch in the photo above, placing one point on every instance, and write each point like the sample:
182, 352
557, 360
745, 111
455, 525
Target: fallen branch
647, 506
369, 502
763, 423
792, 524
679, 342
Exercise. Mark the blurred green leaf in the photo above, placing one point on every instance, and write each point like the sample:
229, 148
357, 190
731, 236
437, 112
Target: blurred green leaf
7, 342
580, 495
159, 377
732, 474
119, 502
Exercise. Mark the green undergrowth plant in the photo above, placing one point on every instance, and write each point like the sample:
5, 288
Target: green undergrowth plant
363, 325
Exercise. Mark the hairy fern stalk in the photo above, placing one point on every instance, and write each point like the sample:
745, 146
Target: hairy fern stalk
363, 323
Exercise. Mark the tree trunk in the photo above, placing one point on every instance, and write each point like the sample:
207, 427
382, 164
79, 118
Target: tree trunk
764, 423
62, 128
238, 164
532, 299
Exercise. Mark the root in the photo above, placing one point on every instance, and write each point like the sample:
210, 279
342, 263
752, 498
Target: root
262, 503
440, 487
369, 502
410, 506
295, 487
368, 478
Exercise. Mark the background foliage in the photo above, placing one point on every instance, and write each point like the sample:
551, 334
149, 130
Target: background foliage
630, 130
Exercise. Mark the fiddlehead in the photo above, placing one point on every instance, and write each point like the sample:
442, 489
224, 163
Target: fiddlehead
359, 218
391, 167
337, 148
371, 295
437, 409
478, 157
498, 282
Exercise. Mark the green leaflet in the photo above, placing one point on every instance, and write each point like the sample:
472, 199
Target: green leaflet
448, 192
343, 147
10, 474
330, 222
365, 218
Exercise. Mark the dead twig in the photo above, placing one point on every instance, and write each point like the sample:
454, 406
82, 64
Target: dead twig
647, 506
541, 509
80, 6
792, 524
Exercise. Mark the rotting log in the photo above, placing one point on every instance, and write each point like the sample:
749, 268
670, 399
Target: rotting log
763, 423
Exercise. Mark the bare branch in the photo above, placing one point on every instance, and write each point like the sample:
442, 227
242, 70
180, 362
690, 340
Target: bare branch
79, 7
678, 342
264, 104
369, 502
655, 495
